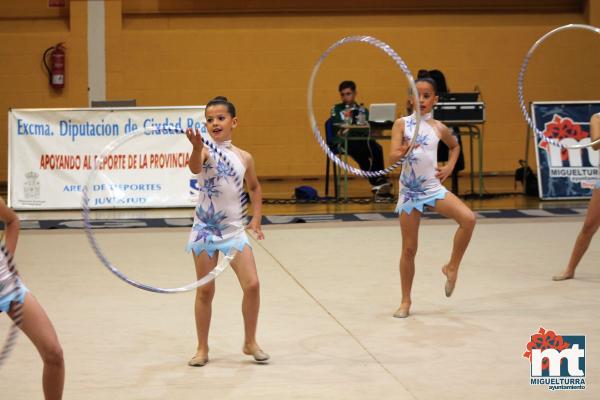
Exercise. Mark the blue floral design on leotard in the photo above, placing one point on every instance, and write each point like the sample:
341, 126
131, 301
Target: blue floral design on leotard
206, 166
412, 186
209, 223
209, 189
421, 140
412, 158
224, 171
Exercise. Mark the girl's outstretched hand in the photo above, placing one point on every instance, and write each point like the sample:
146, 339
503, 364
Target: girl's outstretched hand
195, 138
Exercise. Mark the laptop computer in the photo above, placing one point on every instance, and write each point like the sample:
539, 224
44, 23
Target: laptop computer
382, 112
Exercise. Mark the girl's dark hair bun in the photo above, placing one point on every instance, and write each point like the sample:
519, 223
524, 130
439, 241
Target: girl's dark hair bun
424, 76
222, 100
423, 73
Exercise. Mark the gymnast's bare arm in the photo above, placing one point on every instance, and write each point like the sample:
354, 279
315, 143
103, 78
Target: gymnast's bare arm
198, 152
595, 130
11, 226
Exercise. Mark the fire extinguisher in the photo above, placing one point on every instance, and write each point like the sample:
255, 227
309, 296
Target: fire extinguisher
54, 61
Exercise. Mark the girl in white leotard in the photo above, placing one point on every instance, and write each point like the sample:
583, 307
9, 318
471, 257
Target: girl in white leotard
421, 185
219, 226
218, 219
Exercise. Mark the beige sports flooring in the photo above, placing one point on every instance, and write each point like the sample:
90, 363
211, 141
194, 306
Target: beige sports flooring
328, 293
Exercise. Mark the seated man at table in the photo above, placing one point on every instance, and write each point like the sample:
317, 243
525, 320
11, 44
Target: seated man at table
367, 153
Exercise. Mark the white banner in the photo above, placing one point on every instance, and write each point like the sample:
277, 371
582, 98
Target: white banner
51, 153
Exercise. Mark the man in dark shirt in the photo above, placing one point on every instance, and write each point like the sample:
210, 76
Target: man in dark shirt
366, 152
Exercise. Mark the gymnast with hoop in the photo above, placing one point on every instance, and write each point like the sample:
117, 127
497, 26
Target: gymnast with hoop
33, 319
219, 224
421, 185
592, 219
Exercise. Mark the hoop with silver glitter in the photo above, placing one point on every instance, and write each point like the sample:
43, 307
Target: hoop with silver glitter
88, 223
522, 78
387, 49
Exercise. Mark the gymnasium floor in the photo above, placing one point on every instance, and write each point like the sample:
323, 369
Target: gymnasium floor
328, 293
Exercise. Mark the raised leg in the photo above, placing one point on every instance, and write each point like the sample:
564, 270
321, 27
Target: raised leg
452, 207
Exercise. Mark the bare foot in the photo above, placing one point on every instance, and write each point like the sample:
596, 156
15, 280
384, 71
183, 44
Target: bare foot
451, 276
256, 352
199, 360
403, 311
564, 276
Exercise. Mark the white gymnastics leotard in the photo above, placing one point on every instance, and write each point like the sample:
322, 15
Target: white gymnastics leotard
218, 218
418, 184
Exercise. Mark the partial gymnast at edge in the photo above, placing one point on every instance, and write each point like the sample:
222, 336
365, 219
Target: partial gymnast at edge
592, 219
34, 321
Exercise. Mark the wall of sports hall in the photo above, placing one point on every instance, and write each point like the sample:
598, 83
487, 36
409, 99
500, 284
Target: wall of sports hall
261, 53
